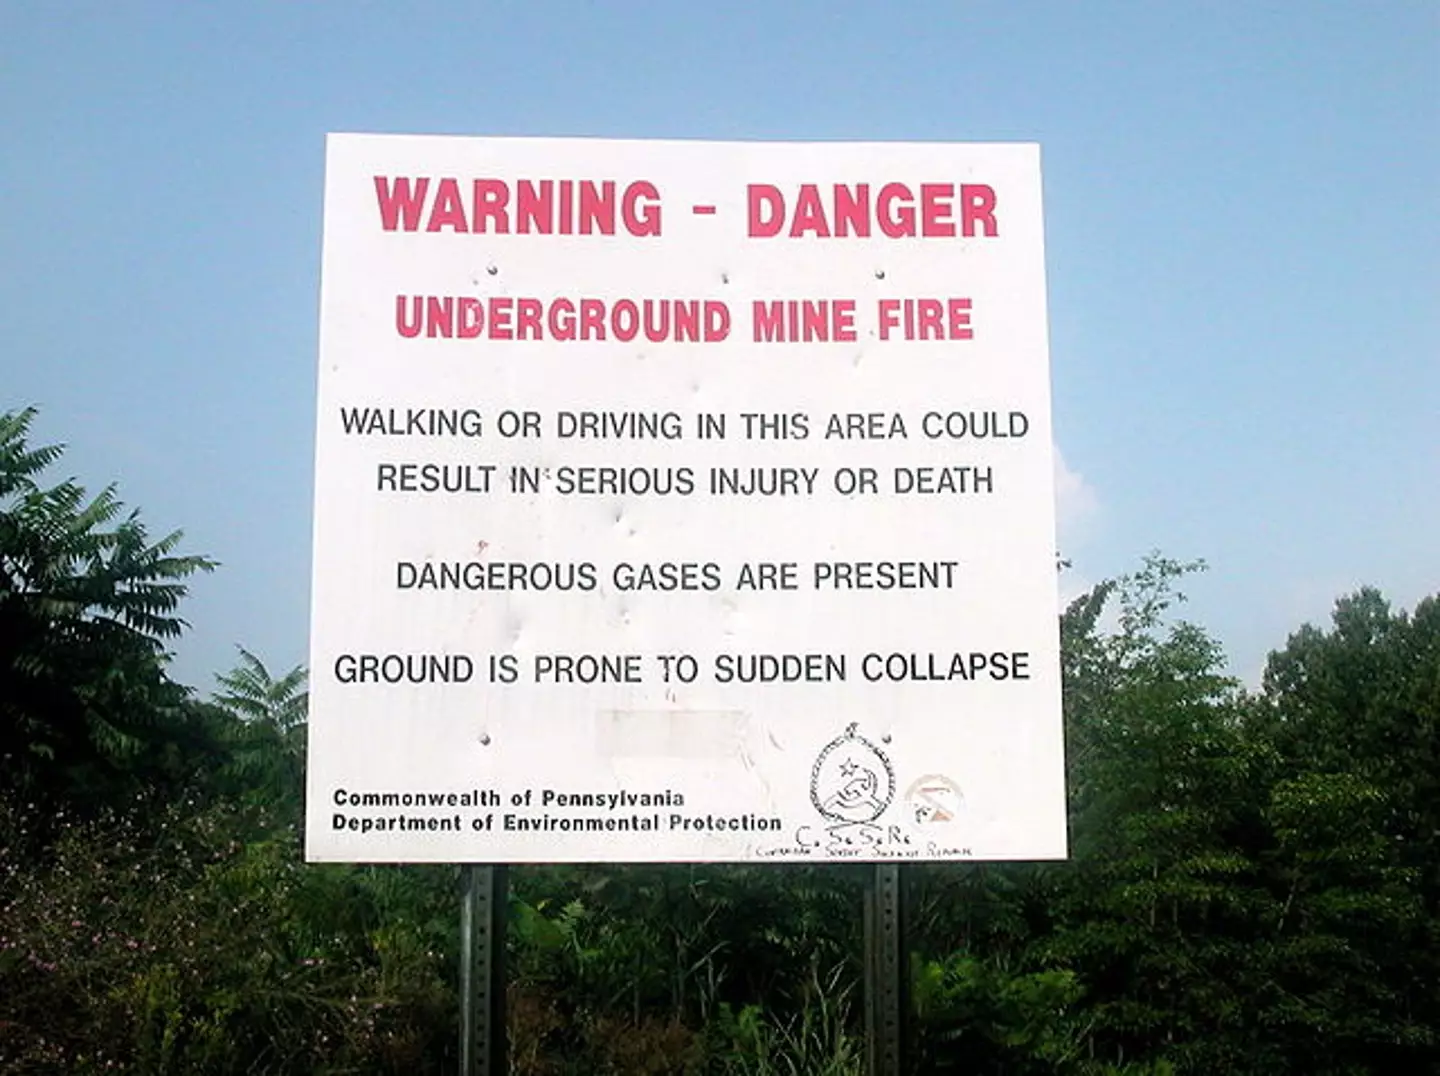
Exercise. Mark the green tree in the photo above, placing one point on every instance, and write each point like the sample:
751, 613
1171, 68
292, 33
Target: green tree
1164, 897
87, 606
1132, 957
251, 693
1364, 698
265, 731
1354, 716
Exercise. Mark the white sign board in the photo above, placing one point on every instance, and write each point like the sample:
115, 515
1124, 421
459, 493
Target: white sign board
683, 501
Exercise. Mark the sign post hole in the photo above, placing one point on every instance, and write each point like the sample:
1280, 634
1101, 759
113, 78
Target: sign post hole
484, 894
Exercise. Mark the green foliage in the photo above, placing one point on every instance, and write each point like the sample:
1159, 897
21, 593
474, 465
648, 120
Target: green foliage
593, 945
262, 725
173, 947
1354, 717
980, 1017
817, 1040
1154, 914
252, 694
1254, 885
87, 603
1364, 698
1248, 889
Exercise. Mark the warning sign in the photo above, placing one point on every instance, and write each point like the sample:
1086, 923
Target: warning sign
683, 501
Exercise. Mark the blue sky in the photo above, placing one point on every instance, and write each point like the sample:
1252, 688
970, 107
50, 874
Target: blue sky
1242, 203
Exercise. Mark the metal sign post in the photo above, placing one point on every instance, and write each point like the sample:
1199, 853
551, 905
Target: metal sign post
886, 976
484, 894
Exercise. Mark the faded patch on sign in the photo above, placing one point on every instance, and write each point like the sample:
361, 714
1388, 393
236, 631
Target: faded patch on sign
670, 733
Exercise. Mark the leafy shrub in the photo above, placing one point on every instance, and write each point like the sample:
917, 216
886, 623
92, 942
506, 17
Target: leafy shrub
171, 945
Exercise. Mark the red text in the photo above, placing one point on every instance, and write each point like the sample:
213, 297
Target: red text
893, 210
524, 207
